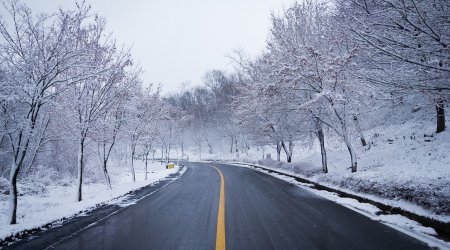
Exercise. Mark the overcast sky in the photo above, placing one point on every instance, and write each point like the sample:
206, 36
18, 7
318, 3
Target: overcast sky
177, 41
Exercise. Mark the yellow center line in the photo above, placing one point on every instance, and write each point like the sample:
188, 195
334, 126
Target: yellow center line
220, 235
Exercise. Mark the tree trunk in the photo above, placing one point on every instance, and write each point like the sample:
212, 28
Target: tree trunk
323, 152
279, 151
289, 150
133, 175
182, 149
13, 193
363, 140
347, 141
168, 154
106, 155
105, 171
236, 148
351, 150
210, 147
80, 169
232, 143
146, 169
440, 113
321, 137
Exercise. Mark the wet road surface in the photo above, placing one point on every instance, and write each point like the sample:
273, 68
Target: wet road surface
260, 212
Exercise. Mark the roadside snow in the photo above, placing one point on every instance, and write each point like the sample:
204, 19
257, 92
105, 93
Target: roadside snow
58, 201
292, 169
398, 222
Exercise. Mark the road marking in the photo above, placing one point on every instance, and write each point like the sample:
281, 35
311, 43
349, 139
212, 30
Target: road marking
220, 235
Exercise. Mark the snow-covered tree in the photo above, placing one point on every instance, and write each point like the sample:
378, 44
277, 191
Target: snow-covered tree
141, 112
407, 46
107, 80
313, 60
37, 54
105, 135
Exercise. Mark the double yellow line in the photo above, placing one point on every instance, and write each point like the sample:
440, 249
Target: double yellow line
220, 234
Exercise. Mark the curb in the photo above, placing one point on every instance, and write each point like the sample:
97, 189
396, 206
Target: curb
442, 228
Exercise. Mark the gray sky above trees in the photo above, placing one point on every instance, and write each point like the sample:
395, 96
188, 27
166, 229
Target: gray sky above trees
176, 41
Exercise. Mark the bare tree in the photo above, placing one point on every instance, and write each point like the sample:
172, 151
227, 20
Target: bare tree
92, 98
37, 54
144, 108
106, 136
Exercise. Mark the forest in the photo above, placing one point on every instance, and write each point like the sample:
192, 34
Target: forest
73, 101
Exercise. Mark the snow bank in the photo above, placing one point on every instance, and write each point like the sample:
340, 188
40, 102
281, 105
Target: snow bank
419, 194
49, 201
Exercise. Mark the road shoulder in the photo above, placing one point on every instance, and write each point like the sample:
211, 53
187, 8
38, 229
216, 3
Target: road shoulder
66, 226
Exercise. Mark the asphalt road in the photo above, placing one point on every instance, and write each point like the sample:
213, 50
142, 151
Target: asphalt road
261, 212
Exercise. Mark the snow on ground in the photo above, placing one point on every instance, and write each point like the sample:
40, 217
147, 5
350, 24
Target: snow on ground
58, 199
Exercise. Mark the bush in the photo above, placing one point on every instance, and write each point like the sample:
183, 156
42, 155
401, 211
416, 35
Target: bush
37, 180
4, 186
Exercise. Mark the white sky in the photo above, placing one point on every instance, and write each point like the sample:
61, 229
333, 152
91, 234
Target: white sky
177, 41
